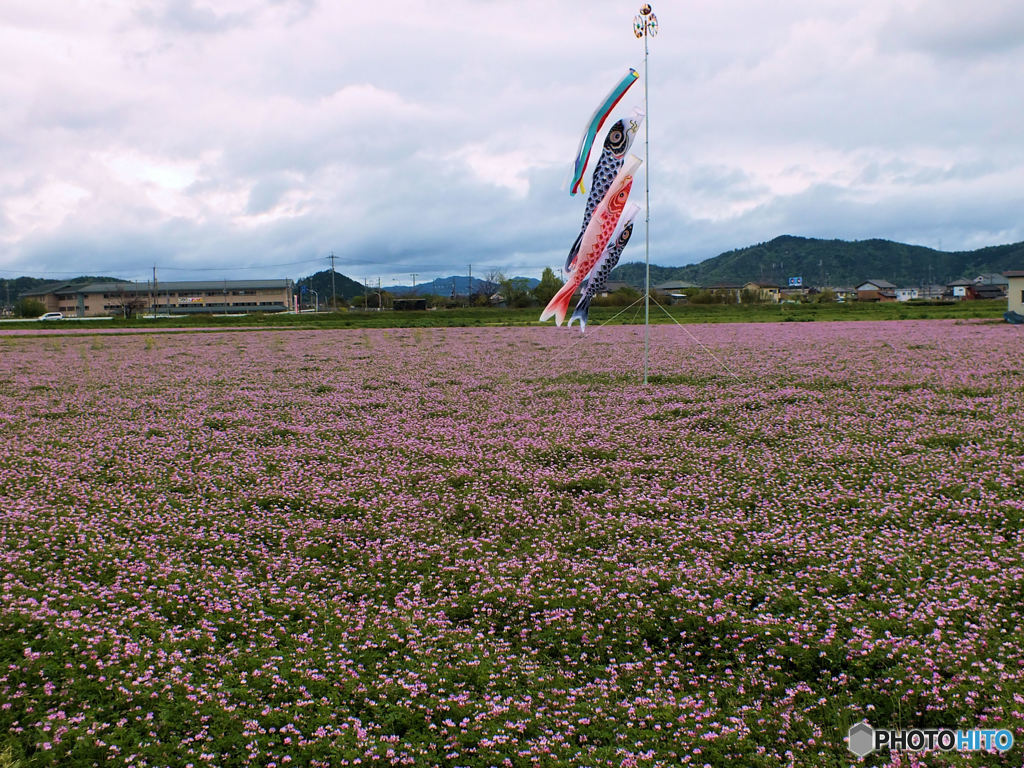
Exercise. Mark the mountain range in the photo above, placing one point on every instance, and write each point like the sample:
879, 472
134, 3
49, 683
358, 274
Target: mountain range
833, 263
442, 286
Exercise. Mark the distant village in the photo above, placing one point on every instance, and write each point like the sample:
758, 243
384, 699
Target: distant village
986, 286
126, 299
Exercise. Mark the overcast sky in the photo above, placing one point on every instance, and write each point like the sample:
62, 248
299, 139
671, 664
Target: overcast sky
252, 138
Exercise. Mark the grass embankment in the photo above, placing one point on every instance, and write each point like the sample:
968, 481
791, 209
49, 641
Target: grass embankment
692, 313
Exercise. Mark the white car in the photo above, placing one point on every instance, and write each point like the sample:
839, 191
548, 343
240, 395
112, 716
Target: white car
52, 316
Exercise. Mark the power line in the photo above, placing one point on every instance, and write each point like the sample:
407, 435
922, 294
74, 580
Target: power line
231, 269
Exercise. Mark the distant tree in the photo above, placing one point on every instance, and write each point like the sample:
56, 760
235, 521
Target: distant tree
621, 297
128, 303
435, 300
705, 297
30, 307
493, 279
373, 300
547, 287
515, 292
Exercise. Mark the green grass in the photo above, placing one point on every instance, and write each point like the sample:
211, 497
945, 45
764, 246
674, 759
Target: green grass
487, 316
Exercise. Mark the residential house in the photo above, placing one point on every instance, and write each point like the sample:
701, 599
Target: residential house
796, 293
1015, 290
992, 278
931, 291
843, 292
768, 292
989, 291
676, 290
876, 290
613, 285
674, 286
731, 291
907, 294
961, 290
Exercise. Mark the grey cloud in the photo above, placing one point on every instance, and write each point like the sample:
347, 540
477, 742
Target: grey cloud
900, 172
722, 182
280, 133
828, 211
266, 193
186, 16
974, 30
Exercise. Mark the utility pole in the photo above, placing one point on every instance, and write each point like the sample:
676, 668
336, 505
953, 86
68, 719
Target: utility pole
414, 283
366, 293
334, 293
469, 291
380, 297
154, 292
334, 296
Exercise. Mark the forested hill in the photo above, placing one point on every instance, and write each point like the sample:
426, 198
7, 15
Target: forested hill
833, 262
346, 287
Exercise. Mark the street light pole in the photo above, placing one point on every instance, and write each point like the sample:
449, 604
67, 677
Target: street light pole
646, 25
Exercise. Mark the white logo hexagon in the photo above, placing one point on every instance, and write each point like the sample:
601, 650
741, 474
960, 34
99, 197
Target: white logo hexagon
861, 739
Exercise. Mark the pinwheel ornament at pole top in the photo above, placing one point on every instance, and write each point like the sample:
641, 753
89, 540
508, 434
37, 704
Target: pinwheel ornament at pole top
646, 25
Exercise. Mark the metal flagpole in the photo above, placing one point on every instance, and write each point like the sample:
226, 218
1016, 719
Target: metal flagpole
646, 25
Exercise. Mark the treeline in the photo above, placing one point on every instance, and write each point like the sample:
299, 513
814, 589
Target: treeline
12, 288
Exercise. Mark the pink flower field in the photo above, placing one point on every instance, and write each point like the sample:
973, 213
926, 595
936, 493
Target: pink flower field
494, 547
